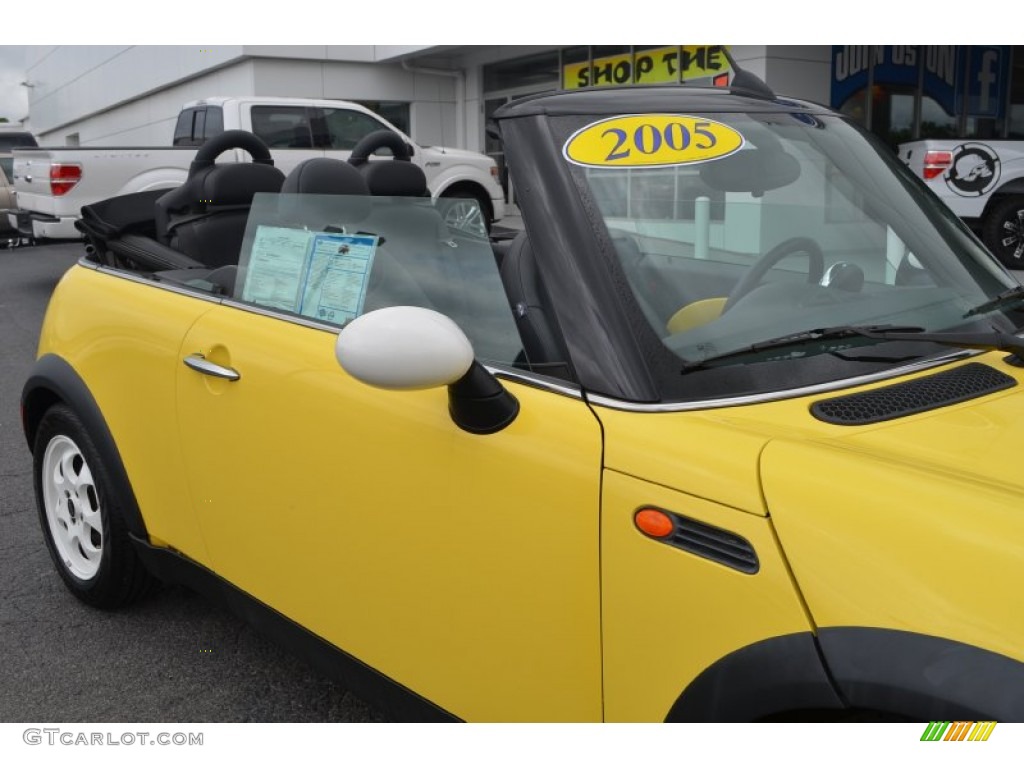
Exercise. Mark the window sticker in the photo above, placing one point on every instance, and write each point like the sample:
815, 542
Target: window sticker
276, 265
334, 290
651, 141
321, 275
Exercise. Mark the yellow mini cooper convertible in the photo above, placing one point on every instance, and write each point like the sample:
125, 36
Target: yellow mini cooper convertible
730, 430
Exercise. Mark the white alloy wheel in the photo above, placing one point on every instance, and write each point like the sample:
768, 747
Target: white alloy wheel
72, 505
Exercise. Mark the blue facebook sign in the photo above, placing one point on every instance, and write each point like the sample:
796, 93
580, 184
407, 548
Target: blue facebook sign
987, 80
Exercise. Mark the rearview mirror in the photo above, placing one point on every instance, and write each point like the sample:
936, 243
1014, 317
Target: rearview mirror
751, 170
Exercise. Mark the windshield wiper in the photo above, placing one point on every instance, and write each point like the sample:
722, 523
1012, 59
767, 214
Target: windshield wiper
821, 341
1004, 300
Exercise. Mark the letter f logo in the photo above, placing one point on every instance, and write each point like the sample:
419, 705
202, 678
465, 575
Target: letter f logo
986, 78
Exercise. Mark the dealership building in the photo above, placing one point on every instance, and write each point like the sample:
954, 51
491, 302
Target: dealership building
131, 95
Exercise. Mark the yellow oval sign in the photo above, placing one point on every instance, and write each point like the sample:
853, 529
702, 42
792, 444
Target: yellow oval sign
651, 141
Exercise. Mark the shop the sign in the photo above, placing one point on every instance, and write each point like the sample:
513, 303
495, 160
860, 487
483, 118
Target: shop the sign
671, 64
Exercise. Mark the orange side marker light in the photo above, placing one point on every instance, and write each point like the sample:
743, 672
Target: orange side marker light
654, 523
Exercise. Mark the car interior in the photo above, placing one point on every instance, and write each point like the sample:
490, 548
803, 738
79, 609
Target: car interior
198, 236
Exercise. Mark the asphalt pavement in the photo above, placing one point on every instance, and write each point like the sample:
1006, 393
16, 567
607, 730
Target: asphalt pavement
173, 658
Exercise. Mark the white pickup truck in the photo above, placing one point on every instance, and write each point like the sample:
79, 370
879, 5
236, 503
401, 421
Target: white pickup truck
982, 182
53, 183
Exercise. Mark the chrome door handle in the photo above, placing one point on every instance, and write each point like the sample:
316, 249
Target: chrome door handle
199, 363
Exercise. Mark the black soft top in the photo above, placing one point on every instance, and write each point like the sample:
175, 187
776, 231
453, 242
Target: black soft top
646, 99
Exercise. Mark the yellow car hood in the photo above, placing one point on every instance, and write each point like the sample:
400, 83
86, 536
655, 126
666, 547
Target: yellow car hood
914, 524
978, 441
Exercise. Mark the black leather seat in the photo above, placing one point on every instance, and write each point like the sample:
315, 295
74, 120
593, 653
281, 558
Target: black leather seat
325, 176
531, 306
205, 218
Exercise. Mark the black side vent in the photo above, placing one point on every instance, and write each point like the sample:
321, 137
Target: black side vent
955, 386
708, 542
714, 544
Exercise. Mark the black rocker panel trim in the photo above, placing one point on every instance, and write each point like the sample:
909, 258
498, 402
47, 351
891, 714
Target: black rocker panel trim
780, 674
923, 677
399, 702
53, 380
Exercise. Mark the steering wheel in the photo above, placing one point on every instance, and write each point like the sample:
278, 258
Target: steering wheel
753, 276
212, 147
378, 140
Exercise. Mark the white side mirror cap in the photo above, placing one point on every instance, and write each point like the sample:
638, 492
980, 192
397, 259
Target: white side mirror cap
404, 348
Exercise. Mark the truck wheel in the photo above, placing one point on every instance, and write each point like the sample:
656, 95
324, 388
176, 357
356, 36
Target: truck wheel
475, 219
80, 515
1003, 232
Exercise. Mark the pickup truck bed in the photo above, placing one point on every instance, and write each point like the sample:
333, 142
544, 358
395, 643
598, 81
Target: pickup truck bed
53, 185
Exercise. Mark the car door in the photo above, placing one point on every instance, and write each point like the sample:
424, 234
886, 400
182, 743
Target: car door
463, 566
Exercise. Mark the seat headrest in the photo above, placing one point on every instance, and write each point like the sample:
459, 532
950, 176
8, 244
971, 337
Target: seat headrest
324, 179
397, 178
225, 184
237, 183
228, 184
324, 176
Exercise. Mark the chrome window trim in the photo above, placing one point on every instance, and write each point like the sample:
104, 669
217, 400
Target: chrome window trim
278, 315
533, 380
786, 394
198, 294
133, 278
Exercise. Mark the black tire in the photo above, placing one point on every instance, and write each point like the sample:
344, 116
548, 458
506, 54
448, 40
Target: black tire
477, 226
1003, 232
84, 526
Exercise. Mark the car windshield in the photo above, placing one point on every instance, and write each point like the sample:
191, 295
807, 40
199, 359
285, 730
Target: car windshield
789, 222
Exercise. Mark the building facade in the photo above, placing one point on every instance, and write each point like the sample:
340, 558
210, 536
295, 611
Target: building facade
131, 95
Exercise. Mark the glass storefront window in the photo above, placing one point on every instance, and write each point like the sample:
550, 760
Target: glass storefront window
936, 122
931, 91
538, 70
1016, 111
892, 113
577, 55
